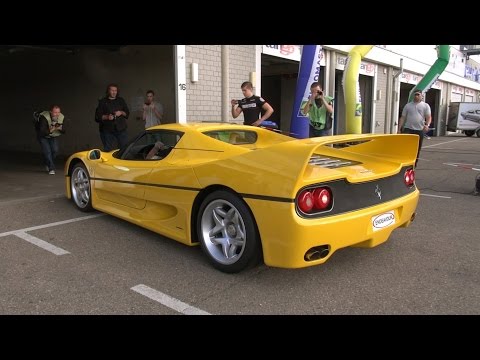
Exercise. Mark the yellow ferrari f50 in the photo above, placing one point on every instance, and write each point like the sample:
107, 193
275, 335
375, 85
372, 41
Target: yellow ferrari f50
246, 193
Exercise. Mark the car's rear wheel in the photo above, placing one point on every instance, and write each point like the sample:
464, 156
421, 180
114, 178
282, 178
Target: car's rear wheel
227, 232
81, 188
478, 132
469, 132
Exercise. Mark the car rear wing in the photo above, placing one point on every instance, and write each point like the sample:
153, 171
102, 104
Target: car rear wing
386, 153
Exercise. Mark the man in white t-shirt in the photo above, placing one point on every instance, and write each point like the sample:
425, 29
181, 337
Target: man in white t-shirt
416, 118
152, 111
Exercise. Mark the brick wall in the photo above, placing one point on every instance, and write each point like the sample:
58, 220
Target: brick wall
242, 62
204, 97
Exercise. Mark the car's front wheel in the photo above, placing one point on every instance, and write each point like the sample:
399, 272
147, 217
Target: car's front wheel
81, 188
227, 232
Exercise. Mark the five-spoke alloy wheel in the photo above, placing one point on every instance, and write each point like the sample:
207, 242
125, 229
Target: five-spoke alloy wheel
81, 188
227, 232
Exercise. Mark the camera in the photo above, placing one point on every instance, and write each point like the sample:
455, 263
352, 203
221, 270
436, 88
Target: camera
320, 92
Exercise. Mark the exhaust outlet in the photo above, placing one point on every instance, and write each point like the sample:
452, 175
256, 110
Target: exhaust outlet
317, 253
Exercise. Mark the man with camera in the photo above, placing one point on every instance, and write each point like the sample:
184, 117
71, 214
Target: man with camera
112, 113
152, 111
252, 106
318, 108
48, 128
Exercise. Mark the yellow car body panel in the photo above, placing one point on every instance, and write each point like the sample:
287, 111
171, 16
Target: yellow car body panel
286, 241
267, 174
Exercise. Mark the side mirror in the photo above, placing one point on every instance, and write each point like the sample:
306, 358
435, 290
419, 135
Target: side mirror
94, 154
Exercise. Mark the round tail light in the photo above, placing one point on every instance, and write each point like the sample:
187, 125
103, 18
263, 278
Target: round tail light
305, 201
322, 198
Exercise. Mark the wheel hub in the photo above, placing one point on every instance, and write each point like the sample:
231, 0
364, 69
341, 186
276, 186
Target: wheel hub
231, 230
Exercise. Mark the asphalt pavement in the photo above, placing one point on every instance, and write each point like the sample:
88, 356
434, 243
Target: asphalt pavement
57, 260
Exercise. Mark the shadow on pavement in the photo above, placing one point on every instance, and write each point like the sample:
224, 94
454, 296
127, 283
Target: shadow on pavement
23, 175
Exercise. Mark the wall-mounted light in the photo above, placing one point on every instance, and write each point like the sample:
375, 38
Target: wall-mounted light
253, 78
194, 70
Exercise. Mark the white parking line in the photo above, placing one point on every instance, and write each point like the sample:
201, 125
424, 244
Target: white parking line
438, 196
445, 142
22, 234
30, 199
464, 166
168, 301
40, 243
13, 232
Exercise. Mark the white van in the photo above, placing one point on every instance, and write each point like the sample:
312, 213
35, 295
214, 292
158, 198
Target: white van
464, 116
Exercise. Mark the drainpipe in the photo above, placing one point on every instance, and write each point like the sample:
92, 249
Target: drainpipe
225, 83
401, 70
395, 99
388, 101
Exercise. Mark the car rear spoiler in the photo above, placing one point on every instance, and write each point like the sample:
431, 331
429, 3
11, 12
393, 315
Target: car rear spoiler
399, 150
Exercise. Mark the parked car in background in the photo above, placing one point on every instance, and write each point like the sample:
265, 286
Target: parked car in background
464, 116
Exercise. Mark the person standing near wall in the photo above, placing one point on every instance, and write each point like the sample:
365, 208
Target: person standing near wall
251, 106
317, 108
48, 128
152, 111
112, 111
416, 118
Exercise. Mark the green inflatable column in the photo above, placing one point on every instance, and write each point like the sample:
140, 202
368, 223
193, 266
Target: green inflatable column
443, 57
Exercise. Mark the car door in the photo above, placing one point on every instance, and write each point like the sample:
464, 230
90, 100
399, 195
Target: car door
123, 178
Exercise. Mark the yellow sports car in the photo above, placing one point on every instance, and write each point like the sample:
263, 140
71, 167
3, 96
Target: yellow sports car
246, 193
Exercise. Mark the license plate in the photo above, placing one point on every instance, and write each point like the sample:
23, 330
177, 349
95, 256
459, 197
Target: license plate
384, 220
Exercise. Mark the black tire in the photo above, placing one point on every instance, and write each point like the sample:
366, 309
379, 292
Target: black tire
478, 132
81, 188
469, 132
237, 245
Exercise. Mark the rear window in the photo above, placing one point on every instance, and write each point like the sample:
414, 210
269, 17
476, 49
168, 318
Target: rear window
234, 137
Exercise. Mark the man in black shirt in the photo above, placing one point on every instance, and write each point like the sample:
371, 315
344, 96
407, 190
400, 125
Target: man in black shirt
112, 113
251, 106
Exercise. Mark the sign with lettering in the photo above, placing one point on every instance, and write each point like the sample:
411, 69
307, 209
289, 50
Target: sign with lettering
456, 65
410, 78
366, 68
292, 52
437, 85
457, 89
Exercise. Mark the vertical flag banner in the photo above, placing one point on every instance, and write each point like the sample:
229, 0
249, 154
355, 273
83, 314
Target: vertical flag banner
309, 72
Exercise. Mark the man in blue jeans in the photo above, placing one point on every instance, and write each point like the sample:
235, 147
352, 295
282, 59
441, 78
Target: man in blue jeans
112, 113
49, 127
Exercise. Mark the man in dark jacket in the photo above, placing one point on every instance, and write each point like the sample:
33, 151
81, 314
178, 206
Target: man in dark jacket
112, 113
49, 127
